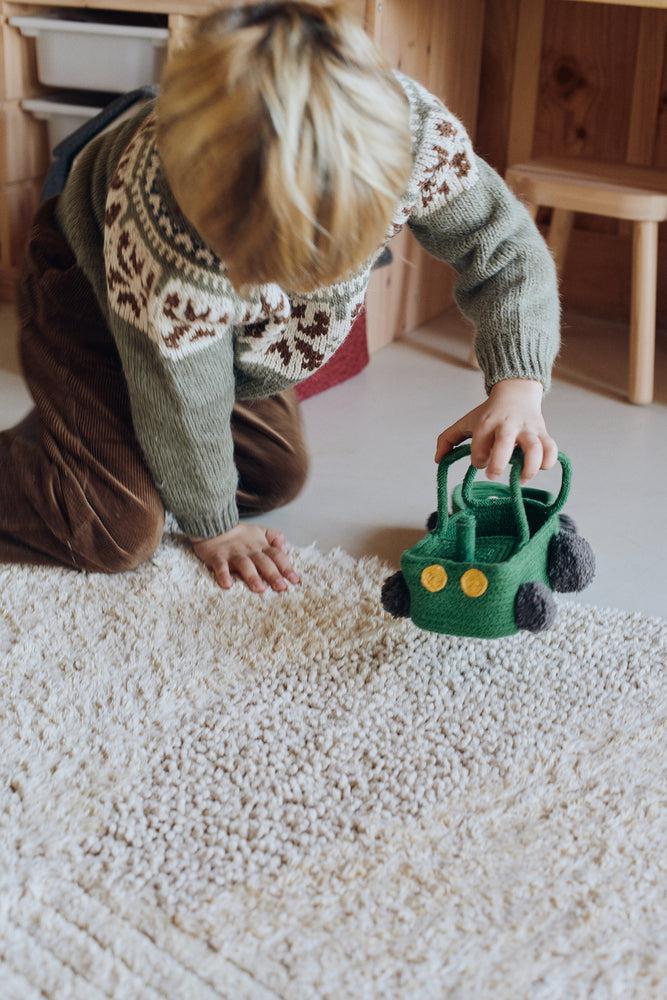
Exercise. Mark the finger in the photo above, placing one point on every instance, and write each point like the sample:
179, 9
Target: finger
284, 565
550, 452
501, 452
276, 538
449, 439
269, 571
480, 448
247, 570
222, 575
533, 454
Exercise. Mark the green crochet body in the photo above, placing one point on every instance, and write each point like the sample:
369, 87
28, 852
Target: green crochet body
496, 540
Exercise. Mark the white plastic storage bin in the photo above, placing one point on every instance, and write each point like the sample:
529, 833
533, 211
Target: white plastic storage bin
95, 56
62, 116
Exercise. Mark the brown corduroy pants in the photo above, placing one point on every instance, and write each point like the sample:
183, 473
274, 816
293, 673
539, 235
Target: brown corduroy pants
74, 487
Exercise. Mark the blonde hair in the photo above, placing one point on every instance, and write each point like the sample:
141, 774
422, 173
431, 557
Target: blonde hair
285, 139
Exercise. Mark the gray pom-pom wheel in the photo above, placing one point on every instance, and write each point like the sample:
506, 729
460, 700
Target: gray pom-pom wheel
571, 562
567, 523
535, 608
396, 596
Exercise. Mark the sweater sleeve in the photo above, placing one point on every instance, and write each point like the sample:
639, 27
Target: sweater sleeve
175, 342
174, 329
463, 213
181, 410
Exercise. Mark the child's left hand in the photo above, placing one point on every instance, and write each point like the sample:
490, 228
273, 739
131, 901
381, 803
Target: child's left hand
512, 415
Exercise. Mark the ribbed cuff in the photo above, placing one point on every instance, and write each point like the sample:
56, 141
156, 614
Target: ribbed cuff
518, 350
209, 525
497, 369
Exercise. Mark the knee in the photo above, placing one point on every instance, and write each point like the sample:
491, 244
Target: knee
124, 542
283, 481
135, 540
288, 478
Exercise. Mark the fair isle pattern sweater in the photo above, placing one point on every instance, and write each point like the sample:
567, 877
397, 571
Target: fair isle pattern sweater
190, 344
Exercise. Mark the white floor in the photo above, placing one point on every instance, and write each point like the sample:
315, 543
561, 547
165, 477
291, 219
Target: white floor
372, 441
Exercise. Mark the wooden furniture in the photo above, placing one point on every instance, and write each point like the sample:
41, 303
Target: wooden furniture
580, 78
439, 42
584, 80
617, 191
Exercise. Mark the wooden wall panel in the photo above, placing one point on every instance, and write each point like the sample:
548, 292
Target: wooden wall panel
647, 90
525, 79
439, 44
660, 145
585, 91
496, 75
358, 8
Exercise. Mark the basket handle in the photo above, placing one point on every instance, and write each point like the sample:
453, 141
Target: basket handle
566, 482
462, 451
516, 495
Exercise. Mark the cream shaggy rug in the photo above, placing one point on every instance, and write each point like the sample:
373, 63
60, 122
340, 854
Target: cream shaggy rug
210, 794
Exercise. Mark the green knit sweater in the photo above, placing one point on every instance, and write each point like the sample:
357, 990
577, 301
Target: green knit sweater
190, 344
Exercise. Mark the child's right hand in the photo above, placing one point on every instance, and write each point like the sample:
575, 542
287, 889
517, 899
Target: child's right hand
255, 554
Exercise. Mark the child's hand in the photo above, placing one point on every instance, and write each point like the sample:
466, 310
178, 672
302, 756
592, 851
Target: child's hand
255, 554
512, 415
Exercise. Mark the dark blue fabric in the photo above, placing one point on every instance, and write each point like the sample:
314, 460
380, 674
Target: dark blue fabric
65, 152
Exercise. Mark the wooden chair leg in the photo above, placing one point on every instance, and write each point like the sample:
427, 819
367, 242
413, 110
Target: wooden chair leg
642, 320
559, 235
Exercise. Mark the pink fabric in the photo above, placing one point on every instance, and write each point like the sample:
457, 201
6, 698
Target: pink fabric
350, 358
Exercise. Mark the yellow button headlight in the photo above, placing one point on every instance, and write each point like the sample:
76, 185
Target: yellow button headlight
434, 578
474, 583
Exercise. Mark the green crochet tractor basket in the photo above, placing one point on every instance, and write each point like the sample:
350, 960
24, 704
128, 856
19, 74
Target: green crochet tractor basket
488, 569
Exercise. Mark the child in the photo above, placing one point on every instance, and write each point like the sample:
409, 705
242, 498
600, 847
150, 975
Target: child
214, 249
